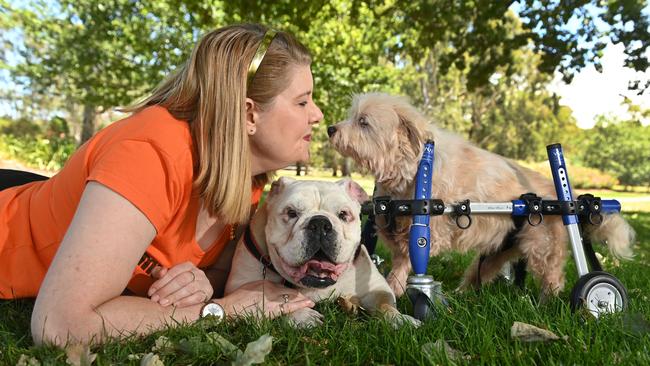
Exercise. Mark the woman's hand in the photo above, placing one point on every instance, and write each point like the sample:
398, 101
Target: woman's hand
182, 285
263, 298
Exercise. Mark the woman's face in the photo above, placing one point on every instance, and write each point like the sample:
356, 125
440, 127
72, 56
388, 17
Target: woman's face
283, 131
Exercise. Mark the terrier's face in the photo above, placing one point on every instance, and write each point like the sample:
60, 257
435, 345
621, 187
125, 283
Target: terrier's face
383, 134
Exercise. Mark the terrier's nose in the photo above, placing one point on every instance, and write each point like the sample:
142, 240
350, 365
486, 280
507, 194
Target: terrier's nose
331, 130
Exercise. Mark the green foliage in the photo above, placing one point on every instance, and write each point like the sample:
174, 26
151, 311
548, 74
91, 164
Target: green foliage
581, 177
621, 148
48, 150
22, 127
478, 325
475, 67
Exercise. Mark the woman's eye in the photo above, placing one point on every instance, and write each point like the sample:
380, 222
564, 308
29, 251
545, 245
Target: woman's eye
363, 121
343, 216
292, 214
303, 104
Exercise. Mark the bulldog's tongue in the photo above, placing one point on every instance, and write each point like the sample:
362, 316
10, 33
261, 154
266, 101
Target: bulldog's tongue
322, 269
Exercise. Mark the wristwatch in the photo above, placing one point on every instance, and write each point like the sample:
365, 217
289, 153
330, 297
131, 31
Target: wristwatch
213, 309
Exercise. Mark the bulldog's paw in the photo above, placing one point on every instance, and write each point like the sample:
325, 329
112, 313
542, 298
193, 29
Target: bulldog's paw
398, 320
350, 305
305, 318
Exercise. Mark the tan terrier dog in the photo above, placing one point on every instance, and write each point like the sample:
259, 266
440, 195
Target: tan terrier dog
385, 135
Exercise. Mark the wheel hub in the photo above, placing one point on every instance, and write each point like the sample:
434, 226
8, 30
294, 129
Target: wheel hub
604, 298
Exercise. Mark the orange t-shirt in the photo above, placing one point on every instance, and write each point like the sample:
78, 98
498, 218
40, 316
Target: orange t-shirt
146, 158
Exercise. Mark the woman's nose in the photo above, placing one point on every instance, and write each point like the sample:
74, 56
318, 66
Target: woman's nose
317, 115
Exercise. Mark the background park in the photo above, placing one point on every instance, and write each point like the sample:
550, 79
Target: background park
511, 76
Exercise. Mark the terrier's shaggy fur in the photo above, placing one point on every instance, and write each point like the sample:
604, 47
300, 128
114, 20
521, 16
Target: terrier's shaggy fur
384, 134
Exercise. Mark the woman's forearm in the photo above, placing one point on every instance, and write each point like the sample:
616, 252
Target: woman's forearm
120, 317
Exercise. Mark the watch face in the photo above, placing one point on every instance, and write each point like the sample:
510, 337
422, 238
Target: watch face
212, 309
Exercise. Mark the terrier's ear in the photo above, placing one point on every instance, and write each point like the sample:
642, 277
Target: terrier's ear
278, 185
354, 190
410, 122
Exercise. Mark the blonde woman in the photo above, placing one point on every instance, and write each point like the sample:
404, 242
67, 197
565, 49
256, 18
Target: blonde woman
148, 206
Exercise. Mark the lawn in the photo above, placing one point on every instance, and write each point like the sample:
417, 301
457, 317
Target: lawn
477, 325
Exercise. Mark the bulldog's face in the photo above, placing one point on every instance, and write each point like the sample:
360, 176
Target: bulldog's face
313, 229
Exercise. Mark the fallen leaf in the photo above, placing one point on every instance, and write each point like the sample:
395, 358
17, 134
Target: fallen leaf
224, 344
255, 351
134, 357
316, 342
530, 333
79, 355
162, 344
442, 346
151, 359
25, 360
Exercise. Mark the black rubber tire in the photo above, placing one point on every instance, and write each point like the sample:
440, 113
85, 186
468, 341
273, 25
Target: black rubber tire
587, 283
422, 308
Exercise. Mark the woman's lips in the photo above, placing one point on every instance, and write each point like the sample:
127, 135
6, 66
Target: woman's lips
307, 138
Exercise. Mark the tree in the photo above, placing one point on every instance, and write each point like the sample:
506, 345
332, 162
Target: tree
98, 55
482, 28
621, 148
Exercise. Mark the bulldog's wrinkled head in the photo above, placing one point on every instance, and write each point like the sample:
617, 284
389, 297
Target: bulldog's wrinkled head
313, 229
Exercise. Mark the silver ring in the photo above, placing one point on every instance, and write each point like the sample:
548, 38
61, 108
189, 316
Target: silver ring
193, 276
285, 298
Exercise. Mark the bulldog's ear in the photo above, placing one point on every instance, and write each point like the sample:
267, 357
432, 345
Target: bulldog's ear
354, 190
278, 185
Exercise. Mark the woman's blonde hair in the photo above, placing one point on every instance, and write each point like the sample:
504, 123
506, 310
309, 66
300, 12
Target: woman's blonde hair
209, 91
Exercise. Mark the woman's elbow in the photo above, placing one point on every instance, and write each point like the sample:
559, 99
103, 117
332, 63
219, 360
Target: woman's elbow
58, 328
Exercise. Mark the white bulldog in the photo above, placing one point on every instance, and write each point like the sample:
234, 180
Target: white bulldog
307, 235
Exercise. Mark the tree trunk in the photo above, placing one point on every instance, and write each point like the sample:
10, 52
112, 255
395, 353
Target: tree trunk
88, 123
345, 169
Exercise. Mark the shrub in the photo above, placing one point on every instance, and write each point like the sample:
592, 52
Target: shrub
26, 142
580, 177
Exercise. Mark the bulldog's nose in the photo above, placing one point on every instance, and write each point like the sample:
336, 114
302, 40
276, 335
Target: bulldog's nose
331, 130
320, 225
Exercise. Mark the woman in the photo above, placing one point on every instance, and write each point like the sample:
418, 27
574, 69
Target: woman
150, 202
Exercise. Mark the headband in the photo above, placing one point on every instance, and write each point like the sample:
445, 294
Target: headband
259, 55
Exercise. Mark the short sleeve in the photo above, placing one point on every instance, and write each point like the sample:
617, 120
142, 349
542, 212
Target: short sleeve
145, 175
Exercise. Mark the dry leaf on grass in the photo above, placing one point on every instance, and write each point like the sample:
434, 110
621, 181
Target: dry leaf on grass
530, 333
151, 359
440, 345
25, 360
79, 355
224, 344
162, 344
255, 351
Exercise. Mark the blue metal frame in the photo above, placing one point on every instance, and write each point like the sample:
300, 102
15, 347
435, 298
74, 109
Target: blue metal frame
420, 234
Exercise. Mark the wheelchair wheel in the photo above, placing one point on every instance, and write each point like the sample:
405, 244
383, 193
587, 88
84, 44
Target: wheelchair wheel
599, 293
422, 307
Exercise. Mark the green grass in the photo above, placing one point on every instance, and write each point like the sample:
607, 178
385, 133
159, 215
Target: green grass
478, 324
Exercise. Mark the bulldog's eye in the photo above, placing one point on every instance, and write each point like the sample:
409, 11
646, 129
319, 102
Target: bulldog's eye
363, 122
291, 213
344, 215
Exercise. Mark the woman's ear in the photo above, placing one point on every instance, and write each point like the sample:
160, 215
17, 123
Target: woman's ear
251, 117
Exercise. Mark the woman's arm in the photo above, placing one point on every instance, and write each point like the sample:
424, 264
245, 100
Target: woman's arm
80, 295
80, 298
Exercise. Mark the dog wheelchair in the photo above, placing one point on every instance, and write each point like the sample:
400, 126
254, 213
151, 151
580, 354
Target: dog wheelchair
596, 291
